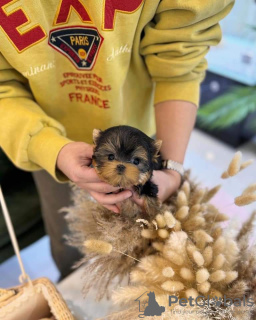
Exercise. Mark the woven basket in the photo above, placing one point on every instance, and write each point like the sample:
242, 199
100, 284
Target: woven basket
32, 300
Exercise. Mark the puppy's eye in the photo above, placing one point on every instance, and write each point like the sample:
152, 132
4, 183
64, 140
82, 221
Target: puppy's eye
111, 157
136, 161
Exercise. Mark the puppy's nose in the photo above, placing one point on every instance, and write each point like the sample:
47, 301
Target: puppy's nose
120, 168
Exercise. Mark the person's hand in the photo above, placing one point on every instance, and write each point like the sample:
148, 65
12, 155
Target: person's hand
74, 160
168, 181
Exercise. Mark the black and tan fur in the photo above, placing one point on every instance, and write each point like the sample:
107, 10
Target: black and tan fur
126, 157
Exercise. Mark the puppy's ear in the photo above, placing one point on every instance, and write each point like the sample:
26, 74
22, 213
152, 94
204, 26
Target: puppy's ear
157, 145
95, 135
156, 148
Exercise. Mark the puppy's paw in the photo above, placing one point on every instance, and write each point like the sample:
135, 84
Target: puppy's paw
150, 189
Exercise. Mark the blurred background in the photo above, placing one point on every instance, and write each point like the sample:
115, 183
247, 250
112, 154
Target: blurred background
228, 95
227, 113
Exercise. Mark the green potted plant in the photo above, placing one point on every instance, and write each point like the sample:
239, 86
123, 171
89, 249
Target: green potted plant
229, 110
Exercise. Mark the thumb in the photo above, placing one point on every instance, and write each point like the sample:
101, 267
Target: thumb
89, 150
139, 201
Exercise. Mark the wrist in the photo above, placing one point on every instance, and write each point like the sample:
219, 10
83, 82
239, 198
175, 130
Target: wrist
174, 176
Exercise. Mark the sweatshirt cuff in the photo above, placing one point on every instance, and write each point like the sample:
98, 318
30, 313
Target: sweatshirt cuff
185, 91
43, 150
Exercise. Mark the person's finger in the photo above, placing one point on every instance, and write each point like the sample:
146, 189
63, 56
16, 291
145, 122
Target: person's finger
87, 175
137, 200
118, 205
89, 151
107, 199
101, 187
112, 208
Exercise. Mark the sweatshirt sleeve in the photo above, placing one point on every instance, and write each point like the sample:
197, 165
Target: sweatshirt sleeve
30, 138
175, 43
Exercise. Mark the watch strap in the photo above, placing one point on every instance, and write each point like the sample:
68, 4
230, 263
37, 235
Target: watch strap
173, 165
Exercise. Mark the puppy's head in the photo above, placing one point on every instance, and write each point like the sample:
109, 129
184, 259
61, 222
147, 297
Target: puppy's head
124, 156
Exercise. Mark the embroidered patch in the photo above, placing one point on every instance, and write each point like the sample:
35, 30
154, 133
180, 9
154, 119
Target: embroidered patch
80, 45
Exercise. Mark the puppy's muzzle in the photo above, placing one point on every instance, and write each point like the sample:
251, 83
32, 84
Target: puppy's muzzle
120, 168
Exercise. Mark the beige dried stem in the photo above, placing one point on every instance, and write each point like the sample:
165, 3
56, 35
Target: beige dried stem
236, 166
250, 189
103, 248
246, 164
196, 260
188, 255
245, 199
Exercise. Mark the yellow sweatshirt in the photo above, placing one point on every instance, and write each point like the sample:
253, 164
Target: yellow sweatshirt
69, 66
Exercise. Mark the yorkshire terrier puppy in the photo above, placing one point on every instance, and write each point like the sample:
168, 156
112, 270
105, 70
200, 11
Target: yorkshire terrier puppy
125, 157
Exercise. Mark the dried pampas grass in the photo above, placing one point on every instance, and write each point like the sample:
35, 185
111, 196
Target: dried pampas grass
248, 196
98, 246
180, 251
96, 230
245, 199
236, 166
